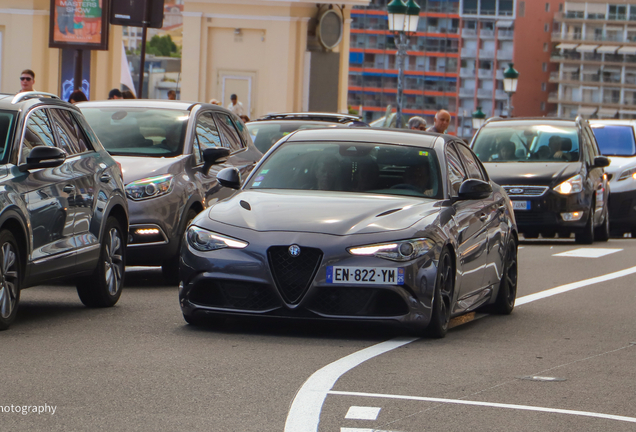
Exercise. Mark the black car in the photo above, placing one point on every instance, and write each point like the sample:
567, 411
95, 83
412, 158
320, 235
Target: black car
355, 224
267, 130
63, 211
552, 170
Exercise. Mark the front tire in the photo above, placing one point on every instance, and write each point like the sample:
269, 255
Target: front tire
104, 287
442, 298
602, 233
170, 267
10, 278
586, 235
505, 302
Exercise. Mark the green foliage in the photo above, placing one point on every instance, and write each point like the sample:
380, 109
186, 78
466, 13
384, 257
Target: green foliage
162, 46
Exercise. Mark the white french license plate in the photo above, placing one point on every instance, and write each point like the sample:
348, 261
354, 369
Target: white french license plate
521, 205
365, 275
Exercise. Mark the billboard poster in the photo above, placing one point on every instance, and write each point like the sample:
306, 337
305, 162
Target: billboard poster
67, 72
79, 24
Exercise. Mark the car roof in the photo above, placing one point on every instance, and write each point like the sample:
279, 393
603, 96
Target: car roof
142, 103
379, 136
521, 121
296, 122
21, 100
316, 116
616, 122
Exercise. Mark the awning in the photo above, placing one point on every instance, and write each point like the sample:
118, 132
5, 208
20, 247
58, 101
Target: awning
609, 49
606, 112
586, 48
504, 24
630, 112
566, 46
611, 69
570, 68
629, 50
587, 110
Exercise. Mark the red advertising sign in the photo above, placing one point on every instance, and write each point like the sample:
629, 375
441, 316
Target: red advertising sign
81, 24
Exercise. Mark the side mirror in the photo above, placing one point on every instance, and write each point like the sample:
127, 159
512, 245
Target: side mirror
212, 156
601, 162
229, 178
473, 189
43, 157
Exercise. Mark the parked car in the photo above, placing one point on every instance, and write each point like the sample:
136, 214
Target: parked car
63, 211
553, 171
355, 224
170, 152
267, 130
616, 140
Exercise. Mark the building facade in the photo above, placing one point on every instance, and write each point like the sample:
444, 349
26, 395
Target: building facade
595, 58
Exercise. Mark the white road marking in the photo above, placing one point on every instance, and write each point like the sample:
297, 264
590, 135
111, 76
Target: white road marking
588, 252
304, 413
361, 430
491, 405
363, 413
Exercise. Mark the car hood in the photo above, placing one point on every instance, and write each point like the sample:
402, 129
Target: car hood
137, 168
335, 213
532, 173
620, 164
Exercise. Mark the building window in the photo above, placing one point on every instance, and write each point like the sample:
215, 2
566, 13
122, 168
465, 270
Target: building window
542, 106
522, 9
545, 67
560, 7
545, 47
547, 7
546, 27
543, 86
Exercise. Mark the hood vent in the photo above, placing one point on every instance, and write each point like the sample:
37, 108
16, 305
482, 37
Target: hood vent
388, 212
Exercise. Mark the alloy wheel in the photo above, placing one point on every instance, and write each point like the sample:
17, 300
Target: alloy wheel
511, 273
113, 262
446, 288
8, 280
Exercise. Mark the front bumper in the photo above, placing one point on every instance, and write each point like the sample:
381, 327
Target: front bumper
243, 282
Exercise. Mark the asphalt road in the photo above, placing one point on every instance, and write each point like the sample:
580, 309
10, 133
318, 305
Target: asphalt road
138, 366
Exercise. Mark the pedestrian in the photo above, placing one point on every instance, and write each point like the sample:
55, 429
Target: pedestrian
244, 118
235, 106
417, 123
127, 94
442, 120
115, 94
77, 96
172, 95
27, 80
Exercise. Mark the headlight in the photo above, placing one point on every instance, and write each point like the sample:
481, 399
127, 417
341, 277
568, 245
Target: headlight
150, 187
204, 240
403, 250
570, 186
627, 174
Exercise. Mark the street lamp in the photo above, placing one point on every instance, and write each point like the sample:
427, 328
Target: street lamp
403, 19
511, 78
479, 118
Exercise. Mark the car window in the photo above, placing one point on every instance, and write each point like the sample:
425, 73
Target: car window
37, 132
71, 138
615, 140
456, 173
242, 129
470, 162
229, 135
524, 141
206, 136
7, 121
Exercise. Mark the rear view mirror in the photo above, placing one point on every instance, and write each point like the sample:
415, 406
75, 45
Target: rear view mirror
229, 177
212, 156
601, 162
473, 189
43, 157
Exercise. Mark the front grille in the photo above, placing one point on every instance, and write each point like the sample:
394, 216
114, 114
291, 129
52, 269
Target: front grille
369, 302
526, 218
527, 191
233, 295
293, 275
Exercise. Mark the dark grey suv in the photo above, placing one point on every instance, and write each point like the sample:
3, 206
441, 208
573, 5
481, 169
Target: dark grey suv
63, 212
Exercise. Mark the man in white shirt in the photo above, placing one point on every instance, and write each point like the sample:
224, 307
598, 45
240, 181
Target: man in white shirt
235, 106
27, 80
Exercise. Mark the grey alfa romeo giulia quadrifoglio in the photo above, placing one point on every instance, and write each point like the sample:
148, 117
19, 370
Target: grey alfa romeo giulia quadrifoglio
355, 224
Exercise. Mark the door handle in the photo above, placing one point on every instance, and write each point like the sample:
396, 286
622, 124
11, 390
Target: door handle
105, 178
483, 217
69, 188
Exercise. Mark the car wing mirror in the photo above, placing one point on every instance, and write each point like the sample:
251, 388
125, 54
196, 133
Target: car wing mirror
473, 189
213, 156
601, 162
43, 157
229, 178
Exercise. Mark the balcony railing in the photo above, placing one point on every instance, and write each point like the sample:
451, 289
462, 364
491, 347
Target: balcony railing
487, 33
485, 73
469, 52
484, 93
504, 55
506, 34
466, 92
500, 94
467, 73
469, 32
487, 54
617, 17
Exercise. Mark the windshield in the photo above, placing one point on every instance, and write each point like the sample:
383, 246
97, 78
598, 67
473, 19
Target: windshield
351, 167
6, 127
614, 140
527, 143
266, 134
127, 131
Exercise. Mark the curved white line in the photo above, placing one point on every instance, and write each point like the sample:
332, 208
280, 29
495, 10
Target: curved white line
304, 414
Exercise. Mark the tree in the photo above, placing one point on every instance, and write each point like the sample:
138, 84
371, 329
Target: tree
161, 46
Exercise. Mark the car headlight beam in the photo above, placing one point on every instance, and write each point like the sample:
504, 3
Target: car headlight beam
204, 240
403, 250
150, 187
570, 186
